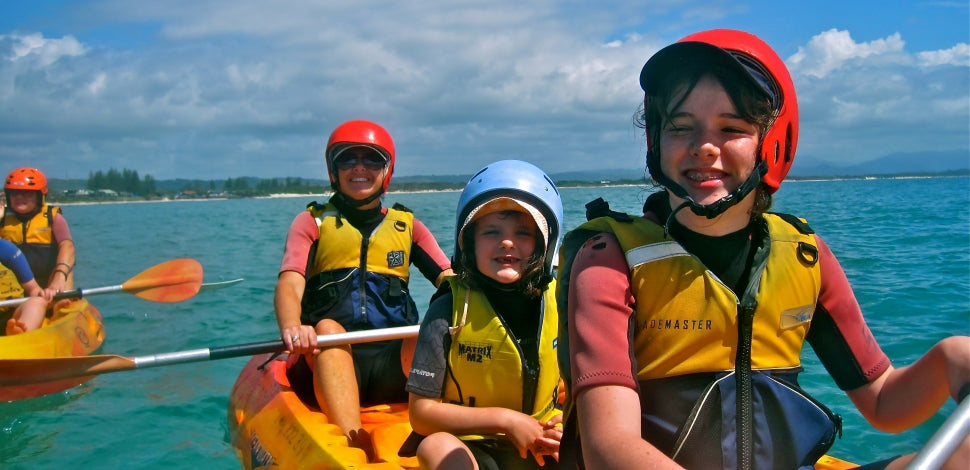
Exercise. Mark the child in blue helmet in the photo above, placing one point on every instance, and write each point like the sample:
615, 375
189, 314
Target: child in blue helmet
484, 381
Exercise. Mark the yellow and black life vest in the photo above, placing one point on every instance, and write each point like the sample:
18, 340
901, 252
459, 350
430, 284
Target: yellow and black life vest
385, 251
35, 238
356, 280
691, 334
686, 318
485, 362
10, 287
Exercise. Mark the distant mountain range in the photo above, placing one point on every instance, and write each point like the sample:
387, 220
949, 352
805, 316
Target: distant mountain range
912, 163
892, 164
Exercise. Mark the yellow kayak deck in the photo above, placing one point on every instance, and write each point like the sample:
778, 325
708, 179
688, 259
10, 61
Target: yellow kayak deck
271, 427
74, 329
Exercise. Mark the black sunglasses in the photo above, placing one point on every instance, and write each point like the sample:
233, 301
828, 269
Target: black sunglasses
371, 162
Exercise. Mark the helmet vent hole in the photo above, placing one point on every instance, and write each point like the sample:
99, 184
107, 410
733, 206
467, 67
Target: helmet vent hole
788, 152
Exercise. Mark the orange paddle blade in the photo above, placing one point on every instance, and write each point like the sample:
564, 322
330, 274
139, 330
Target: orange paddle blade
39, 370
171, 281
23, 392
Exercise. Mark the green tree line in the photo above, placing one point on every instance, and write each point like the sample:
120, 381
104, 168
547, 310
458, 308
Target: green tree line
128, 185
125, 181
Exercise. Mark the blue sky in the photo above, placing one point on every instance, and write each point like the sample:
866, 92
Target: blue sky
214, 89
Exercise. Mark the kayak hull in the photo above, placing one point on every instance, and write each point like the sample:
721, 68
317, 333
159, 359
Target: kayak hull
76, 328
272, 427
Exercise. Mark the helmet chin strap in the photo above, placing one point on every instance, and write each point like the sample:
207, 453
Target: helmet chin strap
710, 210
357, 203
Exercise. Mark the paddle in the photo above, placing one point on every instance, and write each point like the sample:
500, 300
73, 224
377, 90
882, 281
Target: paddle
219, 285
171, 281
31, 371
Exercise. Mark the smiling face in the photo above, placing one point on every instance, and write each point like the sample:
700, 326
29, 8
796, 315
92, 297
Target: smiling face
706, 147
359, 174
504, 241
23, 202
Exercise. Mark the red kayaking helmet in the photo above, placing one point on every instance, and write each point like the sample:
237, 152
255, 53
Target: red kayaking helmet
360, 133
758, 63
26, 179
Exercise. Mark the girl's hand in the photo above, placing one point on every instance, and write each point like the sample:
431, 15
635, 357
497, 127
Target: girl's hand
523, 431
548, 443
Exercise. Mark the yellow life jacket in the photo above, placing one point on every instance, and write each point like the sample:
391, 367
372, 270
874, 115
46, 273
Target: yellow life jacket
35, 238
10, 287
686, 341
385, 251
485, 362
358, 281
686, 318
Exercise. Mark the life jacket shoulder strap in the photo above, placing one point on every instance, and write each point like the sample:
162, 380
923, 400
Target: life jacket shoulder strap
401, 207
796, 222
600, 208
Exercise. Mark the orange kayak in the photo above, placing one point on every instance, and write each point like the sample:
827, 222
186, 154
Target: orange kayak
272, 427
74, 329
827, 462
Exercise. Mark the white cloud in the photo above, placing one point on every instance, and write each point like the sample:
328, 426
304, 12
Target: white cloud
834, 49
253, 87
957, 55
98, 84
44, 51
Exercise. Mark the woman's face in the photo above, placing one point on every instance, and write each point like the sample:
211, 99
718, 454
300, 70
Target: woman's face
504, 241
360, 172
706, 147
23, 202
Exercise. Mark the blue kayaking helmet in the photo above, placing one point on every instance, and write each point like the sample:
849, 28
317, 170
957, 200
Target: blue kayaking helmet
513, 184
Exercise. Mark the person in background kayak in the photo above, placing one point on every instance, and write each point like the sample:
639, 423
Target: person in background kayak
484, 382
345, 268
17, 281
41, 232
685, 325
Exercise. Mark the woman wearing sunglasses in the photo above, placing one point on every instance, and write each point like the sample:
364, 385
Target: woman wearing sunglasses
345, 268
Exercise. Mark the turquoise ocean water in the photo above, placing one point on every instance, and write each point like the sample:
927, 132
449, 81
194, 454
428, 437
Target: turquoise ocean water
905, 245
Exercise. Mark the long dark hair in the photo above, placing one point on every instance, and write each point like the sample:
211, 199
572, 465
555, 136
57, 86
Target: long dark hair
751, 104
533, 280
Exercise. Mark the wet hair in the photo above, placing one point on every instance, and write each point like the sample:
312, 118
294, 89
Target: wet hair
533, 280
750, 102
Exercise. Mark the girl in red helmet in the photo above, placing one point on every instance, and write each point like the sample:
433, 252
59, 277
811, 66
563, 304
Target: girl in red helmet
345, 268
41, 232
683, 326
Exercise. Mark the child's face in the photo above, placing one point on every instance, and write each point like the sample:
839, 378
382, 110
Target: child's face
23, 202
504, 241
706, 147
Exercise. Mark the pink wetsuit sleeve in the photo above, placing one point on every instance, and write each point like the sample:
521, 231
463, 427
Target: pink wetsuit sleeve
60, 229
426, 253
303, 232
599, 309
842, 339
